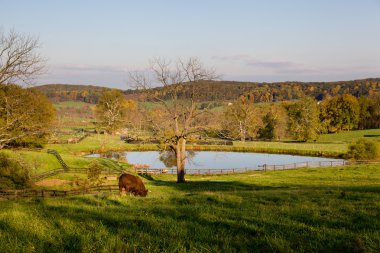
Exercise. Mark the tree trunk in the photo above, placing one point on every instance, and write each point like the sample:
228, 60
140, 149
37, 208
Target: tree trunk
181, 155
242, 132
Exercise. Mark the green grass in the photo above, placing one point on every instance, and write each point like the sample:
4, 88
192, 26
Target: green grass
75, 104
37, 161
349, 136
40, 162
309, 210
302, 148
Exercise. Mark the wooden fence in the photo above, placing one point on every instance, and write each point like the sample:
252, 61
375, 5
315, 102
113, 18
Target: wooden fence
72, 170
43, 193
263, 167
291, 166
47, 174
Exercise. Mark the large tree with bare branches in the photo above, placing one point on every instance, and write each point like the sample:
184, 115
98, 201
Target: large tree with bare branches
20, 62
25, 115
173, 117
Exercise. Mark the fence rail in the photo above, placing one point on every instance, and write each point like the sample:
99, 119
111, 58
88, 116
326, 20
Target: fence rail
43, 193
47, 174
291, 166
263, 167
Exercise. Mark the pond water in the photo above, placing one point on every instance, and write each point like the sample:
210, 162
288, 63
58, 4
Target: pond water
212, 159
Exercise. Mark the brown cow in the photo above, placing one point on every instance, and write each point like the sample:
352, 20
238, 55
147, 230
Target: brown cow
132, 184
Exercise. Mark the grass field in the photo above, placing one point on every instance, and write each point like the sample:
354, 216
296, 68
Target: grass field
72, 104
308, 210
349, 136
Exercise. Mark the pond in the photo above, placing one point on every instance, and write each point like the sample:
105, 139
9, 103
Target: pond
213, 160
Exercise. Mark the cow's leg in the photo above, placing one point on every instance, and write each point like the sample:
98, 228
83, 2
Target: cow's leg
120, 190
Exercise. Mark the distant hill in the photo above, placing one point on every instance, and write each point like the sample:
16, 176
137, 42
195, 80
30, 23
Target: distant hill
68, 92
271, 92
226, 90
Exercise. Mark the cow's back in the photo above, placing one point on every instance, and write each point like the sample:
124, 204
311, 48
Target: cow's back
132, 184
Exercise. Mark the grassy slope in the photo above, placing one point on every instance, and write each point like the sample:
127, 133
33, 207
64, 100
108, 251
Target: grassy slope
325, 210
40, 161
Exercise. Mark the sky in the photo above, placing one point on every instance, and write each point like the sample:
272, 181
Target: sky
98, 42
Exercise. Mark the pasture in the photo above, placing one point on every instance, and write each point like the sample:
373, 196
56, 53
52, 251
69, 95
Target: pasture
305, 210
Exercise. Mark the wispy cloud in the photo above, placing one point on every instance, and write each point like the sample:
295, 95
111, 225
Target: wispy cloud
274, 66
238, 57
88, 68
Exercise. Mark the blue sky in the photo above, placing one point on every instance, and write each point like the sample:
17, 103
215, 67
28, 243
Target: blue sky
98, 42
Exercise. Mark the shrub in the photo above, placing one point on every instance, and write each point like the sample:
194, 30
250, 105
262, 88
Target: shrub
94, 174
12, 173
362, 149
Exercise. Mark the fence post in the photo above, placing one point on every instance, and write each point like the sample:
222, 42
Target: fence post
42, 193
307, 164
331, 164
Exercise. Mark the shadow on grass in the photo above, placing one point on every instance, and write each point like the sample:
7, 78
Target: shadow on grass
213, 186
237, 218
146, 176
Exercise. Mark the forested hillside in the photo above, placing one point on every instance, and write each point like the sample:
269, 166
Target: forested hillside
67, 92
227, 90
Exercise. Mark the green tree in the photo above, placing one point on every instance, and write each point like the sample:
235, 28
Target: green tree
364, 113
340, 113
111, 110
304, 119
362, 149
26, 117
267, 131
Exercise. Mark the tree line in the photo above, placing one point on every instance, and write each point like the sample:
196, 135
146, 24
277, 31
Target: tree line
301, 120
67, 92
216, 91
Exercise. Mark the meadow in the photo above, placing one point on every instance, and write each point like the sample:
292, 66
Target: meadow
305, 210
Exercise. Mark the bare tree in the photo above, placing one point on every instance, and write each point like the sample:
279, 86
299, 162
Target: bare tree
174, 117
240, 119
112, 109
19, 60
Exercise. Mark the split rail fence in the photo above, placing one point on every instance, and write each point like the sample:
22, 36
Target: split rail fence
43, 193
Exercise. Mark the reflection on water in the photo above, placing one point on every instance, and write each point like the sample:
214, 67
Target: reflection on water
169, 160
210, 159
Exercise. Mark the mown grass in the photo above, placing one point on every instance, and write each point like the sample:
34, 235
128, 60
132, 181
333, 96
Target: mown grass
74, 104
308, 210
349, 136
